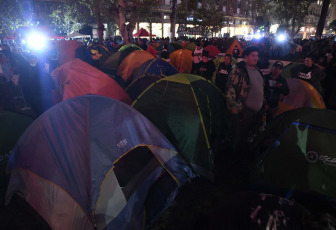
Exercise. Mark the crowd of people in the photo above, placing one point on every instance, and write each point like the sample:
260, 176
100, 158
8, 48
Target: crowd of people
252, 96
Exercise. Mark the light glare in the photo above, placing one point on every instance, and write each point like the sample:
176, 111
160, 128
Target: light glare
37, 41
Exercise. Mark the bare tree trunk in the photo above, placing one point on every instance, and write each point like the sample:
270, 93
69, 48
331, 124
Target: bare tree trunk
320, 25
150, 31
100, 29
172, 19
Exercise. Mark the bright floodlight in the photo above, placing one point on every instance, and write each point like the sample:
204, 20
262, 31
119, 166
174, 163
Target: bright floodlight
257, 36
281, 37
37, 41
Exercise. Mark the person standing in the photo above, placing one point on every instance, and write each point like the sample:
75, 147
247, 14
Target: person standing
244, 95
275, 85
197, 54
235, 52
223, 72
206, 67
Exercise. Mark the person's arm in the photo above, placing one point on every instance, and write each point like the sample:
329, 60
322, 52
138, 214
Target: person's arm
233, 99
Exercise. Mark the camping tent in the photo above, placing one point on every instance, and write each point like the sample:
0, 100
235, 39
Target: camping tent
190, 112
297, 154
301, 95
230, 45
75, 34
131, 62
77, 78
155, 66
143, 33
97, 164
12, 126
139, 85
213, 50
182, 59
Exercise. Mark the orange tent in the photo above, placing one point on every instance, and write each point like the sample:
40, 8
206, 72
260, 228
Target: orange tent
232, 46
133, 61
301, 95
77, 78
182, 59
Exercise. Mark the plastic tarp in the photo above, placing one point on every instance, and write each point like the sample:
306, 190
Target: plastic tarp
97, 164
190, 111
78, 78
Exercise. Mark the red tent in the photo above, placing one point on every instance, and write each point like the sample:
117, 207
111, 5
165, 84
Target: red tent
143, 33
76, 78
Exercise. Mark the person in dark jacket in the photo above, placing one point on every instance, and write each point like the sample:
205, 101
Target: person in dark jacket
311, 73
223, 72
275, 85
206, 67
245, 100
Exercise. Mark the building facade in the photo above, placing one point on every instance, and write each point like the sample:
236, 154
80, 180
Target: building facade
312, 19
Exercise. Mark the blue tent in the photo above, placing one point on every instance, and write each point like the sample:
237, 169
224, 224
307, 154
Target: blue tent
156, 66
94, 162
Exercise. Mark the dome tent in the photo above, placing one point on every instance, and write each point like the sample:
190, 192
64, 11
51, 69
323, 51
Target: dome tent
296, 155
190, 111
95, 162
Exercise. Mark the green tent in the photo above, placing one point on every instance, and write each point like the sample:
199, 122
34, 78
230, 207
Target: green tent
298, 154
12, 126
190, 111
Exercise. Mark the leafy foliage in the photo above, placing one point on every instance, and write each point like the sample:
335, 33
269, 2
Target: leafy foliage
210, 16
186, 9
12, 16
70, 16
291, 13
147, 12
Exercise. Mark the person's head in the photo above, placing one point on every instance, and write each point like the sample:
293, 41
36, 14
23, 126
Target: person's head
32, 60
277, 68
251, 55
205, 56
308, 61
227, 59
331, 55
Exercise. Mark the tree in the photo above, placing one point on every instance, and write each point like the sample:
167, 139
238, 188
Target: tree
173, 4
148, 13
210, 16
70, 16
185, 12
12, 16
291, 14
323, 16
123, 12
